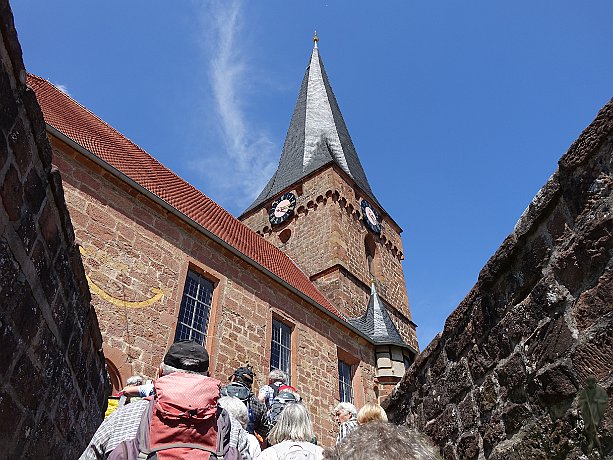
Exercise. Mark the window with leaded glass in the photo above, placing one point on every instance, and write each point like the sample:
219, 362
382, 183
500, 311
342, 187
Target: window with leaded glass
280, 347
345, 387
195, 308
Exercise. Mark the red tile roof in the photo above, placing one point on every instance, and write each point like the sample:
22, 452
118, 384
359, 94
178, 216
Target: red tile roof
86, 129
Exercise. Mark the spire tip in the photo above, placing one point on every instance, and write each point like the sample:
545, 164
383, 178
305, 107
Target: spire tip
315, 39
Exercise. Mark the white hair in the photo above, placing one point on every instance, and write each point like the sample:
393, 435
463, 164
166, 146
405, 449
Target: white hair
277, 375
168, 369
135, 380
236, 408
347, 407
293, 424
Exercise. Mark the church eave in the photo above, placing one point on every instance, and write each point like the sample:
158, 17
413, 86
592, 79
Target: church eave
256, 206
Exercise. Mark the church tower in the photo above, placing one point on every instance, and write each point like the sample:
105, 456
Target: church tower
320, 209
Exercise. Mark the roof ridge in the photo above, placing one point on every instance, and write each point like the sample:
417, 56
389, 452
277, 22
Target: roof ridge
68, 96
63, 94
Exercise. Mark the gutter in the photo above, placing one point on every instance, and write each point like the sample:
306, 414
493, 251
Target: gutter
156, 199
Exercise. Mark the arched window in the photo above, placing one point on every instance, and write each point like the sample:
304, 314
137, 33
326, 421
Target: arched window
114, 376
370, 250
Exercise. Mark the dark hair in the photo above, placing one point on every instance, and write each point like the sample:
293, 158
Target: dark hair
383, 441
243, 375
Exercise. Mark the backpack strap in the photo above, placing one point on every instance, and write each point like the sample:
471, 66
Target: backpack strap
145, 427
175, 445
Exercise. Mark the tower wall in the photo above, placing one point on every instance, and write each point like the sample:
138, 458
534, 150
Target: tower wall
327, 241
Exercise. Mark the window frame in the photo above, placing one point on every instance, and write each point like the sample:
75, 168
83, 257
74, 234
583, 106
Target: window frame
287, 347
371, 254
344, 384
206, 307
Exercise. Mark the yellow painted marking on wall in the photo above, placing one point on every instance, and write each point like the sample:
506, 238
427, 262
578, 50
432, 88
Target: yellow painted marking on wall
157, 293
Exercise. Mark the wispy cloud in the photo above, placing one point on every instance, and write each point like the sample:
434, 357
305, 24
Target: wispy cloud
62, 88
245, 156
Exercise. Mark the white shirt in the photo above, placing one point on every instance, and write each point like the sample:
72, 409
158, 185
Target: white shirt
279, 451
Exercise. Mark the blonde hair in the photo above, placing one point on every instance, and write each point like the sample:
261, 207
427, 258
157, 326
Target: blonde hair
293, 424
371, 412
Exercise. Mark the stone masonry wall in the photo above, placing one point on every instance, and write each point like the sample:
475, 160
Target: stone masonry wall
327, 241
53, 382
133, 250
501, 381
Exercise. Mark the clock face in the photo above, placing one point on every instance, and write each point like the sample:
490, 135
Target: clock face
370, 218
282, 208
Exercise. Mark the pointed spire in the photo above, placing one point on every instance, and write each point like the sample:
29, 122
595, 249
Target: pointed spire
376, 322
317, 136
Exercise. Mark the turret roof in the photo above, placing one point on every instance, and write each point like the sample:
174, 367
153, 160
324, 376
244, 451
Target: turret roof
377, 324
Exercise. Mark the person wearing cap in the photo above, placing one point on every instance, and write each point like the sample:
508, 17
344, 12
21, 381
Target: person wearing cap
256, 409
122, 425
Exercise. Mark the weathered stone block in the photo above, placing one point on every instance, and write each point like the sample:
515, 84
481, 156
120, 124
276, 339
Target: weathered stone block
512, 378
458, 379
468, 446
30, 382
468, 411
554, 388
19, 143
8, 108
12, 193
27, 231
592, 357
4, 152
488, 394
595, 303
514, 416
445, 427
492, 433
554, 342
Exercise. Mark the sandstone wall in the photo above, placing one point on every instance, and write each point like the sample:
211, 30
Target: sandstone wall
501, 381
131, 245
327, 241
53, 380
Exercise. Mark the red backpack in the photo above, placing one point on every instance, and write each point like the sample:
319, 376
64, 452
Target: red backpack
182, 422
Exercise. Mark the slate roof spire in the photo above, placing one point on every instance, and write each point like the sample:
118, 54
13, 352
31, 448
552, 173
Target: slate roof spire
317, 135
377, 324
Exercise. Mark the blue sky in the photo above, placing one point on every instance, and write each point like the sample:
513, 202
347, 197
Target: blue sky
459, 111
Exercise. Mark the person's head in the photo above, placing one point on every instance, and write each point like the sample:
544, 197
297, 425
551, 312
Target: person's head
293, 424
277, 375
291, 390
135, 380
344, 411
243, 375
236, 408
185, 356
382, 441
371, 413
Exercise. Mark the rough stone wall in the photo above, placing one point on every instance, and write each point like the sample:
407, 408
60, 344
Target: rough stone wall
130, 246
501, 381
53, 380
327, 242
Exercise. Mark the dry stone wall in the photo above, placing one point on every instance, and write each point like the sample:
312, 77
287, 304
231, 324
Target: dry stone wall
53, 380
502, 380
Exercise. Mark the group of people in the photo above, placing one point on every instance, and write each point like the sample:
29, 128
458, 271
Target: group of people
187, 414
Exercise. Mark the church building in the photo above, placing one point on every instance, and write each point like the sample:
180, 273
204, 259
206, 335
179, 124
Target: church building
308, 279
